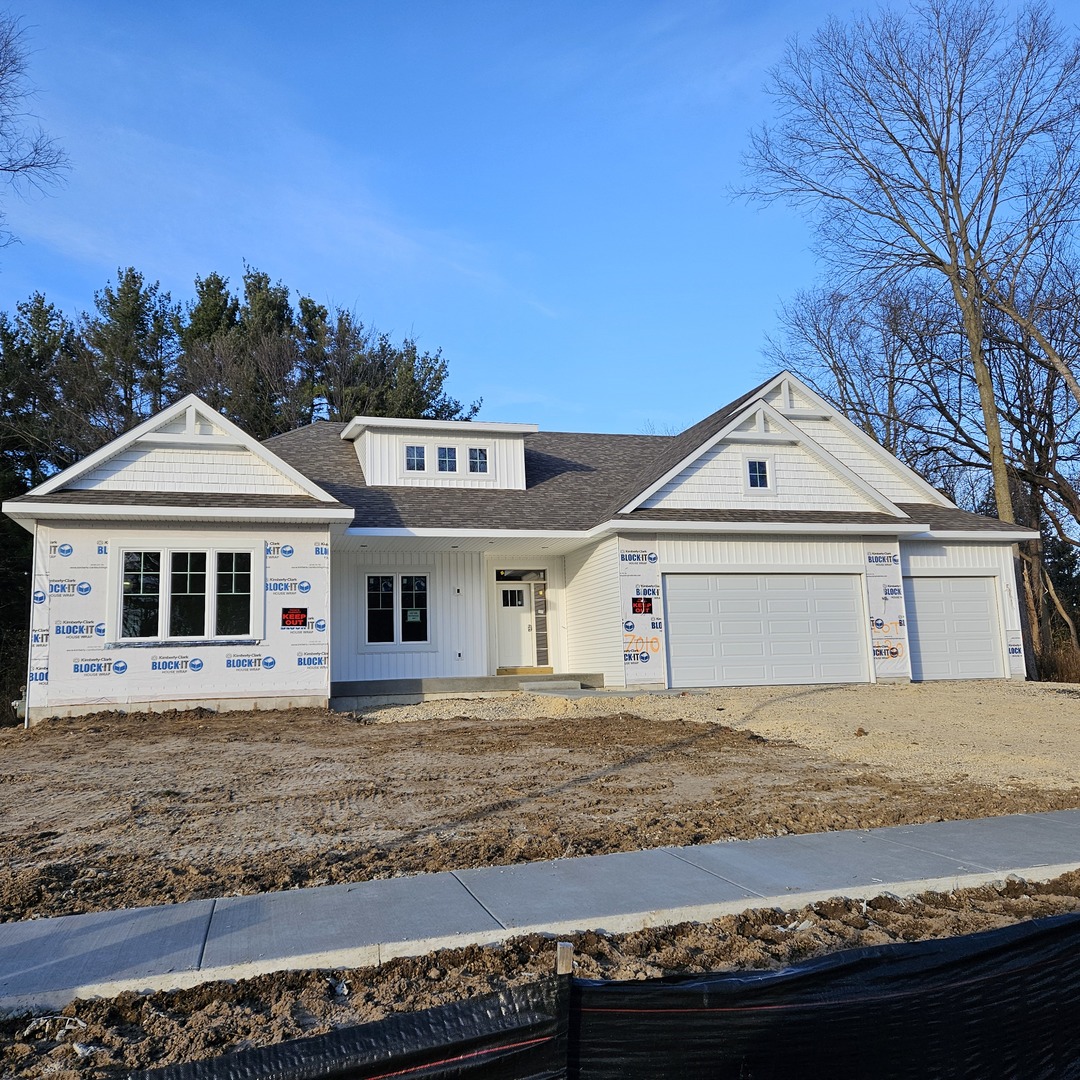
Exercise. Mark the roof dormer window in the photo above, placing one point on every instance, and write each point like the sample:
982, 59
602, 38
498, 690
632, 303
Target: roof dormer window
447, 459
414, 459
478, 459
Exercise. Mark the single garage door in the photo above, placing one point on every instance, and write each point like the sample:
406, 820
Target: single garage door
953, 628
747, 629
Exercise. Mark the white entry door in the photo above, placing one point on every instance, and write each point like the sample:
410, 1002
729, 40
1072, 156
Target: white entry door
514, 624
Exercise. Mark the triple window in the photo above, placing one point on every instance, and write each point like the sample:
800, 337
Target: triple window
446, 458
397, 609
186, 594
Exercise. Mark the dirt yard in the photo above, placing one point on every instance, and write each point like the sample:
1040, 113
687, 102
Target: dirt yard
113, 811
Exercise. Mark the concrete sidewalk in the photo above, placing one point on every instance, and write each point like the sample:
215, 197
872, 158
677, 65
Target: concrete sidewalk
45, 963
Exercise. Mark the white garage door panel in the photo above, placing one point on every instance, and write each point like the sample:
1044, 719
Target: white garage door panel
745, 629
953, 628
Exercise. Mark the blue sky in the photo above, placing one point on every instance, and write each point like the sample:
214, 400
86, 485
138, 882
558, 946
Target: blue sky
539, 188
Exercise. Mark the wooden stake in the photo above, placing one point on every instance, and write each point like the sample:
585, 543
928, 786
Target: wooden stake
564, 958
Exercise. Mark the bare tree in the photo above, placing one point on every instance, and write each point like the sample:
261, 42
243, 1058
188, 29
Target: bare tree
944, 144
28, 157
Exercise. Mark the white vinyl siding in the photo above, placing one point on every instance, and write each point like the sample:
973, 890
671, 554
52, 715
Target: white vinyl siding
803, 553
874, 468
381, 453
592, 612
765, 629
797, 481
456, 614
167, 469
953, 628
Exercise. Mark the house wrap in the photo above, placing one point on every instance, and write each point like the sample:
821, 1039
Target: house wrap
186, 564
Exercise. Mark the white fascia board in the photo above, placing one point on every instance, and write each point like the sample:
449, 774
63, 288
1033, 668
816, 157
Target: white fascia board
472, 534
1012, 536
234, 436
358, 424
125, 512
767, 528
856, 432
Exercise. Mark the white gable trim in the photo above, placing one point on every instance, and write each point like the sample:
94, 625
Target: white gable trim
149, 433
826, 411
789, 434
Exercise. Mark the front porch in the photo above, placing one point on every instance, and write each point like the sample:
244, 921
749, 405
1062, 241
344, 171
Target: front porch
346, 696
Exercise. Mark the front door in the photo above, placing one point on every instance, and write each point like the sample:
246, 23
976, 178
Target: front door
514, 624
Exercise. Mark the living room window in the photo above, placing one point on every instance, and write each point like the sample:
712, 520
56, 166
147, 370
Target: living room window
176, 595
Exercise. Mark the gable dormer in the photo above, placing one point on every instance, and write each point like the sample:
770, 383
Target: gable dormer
395, 452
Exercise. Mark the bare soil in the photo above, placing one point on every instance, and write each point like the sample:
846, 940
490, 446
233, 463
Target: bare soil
115, 811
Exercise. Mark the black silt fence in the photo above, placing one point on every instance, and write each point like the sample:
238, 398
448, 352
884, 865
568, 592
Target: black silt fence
517, 1034
999, 1004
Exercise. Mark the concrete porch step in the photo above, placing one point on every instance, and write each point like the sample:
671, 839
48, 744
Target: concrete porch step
345, 696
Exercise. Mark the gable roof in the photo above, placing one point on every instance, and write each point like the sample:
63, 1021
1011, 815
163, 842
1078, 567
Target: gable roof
189, 425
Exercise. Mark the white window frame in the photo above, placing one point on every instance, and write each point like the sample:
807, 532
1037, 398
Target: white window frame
422, 447
397, 645
256, 613
439, 459
770, 474
487, 461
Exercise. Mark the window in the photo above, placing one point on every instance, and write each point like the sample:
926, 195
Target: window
414, 459
478, 459
447, 459
758, 474
397, 609
187, 601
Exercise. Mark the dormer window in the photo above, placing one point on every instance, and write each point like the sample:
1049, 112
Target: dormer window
414, 459
447, 459
478, 459
758, 474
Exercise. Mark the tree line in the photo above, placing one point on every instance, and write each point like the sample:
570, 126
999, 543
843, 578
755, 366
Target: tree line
68, 385
71, 385
936, 151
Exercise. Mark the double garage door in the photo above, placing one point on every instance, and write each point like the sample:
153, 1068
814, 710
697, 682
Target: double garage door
765, 629
775, 629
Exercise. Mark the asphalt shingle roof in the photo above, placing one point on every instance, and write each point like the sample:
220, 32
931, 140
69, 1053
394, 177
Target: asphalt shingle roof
575, 481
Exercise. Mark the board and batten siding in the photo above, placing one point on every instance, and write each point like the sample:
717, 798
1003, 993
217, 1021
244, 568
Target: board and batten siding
592, 606
167, 469
381, 454
798, 482
457, 599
